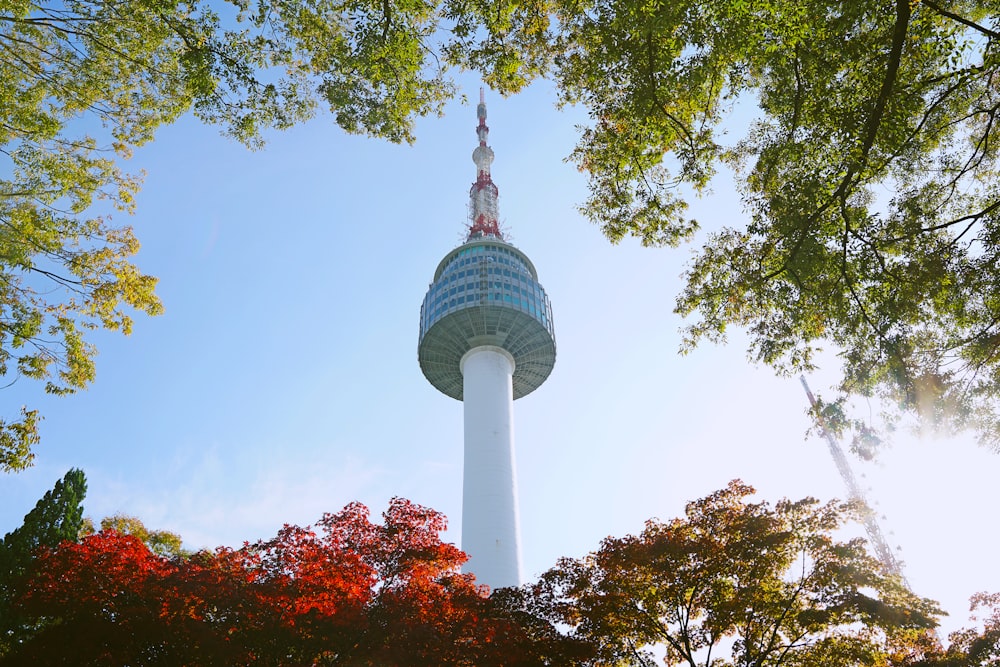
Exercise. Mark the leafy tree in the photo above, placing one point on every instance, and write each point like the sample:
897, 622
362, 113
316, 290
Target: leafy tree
350, 593
868, 175
55, 519
970, 647
979, 647
160, 542
868, 171
83, 83
769, 585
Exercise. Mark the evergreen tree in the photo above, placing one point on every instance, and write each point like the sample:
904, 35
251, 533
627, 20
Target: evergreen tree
56, 518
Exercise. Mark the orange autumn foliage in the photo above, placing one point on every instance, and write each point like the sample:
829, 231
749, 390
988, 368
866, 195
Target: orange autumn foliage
349, 592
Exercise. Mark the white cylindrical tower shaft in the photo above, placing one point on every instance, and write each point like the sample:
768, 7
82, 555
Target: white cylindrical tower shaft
489, 494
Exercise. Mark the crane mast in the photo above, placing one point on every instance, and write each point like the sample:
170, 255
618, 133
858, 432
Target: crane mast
884, 553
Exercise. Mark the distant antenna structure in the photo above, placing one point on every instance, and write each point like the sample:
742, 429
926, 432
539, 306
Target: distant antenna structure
890, 564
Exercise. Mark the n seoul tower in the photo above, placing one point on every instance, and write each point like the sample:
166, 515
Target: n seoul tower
486, 339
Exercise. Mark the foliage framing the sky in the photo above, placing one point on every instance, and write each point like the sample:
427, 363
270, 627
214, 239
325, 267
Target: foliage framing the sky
869, 180
869, 177
767, 584
84, 82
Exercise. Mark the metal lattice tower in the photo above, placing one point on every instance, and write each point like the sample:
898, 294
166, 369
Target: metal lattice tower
890, 564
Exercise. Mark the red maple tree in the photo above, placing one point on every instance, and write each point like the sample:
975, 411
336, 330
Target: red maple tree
349, 592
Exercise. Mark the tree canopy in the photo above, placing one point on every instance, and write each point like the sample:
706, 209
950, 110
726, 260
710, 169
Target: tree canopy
864, 144
732, 583
737, 583
351, 592
57, 517
83, 83
867, 170
975, 646
160, 542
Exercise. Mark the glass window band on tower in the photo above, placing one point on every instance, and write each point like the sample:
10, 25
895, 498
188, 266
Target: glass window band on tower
486, 292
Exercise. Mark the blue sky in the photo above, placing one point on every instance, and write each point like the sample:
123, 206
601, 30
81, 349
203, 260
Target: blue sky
282, 380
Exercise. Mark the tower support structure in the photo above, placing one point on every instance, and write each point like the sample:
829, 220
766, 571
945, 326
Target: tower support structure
890, 564
490, 530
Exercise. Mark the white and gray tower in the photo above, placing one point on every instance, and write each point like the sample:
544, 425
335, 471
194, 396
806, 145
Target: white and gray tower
486, 338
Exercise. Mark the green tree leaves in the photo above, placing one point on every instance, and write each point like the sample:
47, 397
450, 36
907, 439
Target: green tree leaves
869, 174
162, 543
869, 177
83, 83
56, 517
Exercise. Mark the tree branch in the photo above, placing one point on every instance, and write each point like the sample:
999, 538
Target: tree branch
992, 34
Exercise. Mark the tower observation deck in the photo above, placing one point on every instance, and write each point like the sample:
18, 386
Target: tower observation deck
486, 292
487, 338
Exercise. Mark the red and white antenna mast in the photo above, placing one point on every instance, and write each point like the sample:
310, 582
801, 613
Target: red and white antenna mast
483, 209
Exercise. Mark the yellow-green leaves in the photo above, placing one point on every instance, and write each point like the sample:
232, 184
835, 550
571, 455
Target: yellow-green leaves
16, 440
83, 82
870, 176
734, 582
510, 42
160, 542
